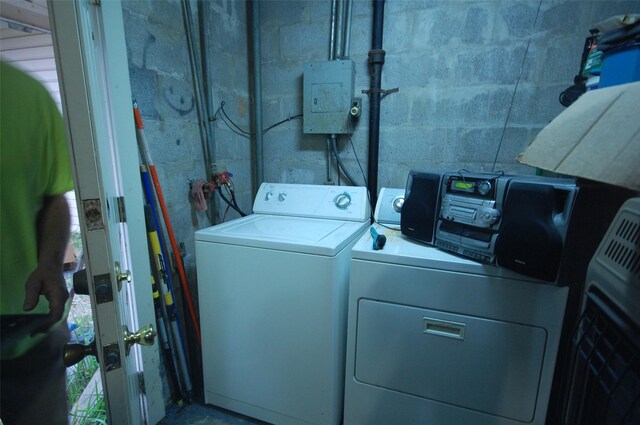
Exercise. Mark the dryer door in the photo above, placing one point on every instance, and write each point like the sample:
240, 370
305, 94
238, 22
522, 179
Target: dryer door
480, 364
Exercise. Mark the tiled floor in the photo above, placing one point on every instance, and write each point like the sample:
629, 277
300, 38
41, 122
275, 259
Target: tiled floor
197, 414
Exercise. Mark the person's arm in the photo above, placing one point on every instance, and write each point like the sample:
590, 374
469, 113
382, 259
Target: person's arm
48, 278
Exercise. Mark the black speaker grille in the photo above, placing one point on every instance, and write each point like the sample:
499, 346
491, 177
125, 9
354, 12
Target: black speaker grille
529, 242
420, 209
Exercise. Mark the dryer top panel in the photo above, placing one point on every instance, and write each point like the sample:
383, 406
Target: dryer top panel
349, 203
401, 250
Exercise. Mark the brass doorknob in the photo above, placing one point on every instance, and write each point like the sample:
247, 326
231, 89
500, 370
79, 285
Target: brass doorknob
145, 336
73, 353
120, 276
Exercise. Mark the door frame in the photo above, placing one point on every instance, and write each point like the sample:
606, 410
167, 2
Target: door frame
92, 65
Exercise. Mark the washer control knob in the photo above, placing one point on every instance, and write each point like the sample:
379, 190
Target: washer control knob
268, 196
282, 196
342, 201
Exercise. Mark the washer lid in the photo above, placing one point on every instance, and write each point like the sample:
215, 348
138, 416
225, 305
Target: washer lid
298, 234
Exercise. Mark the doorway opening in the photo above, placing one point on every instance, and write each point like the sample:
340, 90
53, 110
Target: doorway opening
26, 43
84, 386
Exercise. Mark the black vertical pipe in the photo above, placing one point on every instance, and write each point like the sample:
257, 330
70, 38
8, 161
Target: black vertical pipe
376, 59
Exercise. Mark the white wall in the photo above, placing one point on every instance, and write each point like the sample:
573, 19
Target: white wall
33, 53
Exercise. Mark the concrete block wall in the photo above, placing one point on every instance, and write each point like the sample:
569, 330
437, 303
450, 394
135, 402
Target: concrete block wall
162, 84
477, 81
230, 76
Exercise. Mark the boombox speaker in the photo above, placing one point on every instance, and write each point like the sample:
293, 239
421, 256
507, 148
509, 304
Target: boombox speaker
529, 242
420, 209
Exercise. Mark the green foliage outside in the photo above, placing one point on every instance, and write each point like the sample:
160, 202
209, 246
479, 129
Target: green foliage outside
90, 409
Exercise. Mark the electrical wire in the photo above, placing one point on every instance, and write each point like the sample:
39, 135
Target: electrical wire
272, 126
233, 198
232, 126
241, 132
222, 114
228, 202
364, 176
231, 190
229, 120
341, 165
226, 210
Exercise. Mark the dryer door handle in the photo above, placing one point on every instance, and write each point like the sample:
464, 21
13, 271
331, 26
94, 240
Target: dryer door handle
444, 328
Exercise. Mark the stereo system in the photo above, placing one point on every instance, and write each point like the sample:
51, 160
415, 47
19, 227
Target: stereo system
516, 222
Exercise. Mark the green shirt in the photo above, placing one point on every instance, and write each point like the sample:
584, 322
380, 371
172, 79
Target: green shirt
34, 163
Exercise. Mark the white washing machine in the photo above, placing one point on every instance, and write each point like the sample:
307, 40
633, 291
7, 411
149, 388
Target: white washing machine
438, 339
273, 303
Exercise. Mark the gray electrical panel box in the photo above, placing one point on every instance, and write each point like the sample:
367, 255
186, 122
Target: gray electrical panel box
328, 96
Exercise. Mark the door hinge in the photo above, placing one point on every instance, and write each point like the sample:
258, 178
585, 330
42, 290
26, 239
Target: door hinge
122, 213
141, 383
95, 2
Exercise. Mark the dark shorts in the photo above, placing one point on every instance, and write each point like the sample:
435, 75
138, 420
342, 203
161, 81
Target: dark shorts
33, 387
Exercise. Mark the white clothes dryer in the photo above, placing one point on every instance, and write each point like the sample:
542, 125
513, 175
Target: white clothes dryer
273, 303
438, 339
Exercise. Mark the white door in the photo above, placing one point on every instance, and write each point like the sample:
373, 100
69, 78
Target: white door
96, 97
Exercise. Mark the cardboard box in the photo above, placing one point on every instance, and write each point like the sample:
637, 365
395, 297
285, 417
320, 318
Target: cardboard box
69, 258
597, 138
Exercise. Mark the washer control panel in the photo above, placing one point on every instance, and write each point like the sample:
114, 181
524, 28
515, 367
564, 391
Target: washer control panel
317, 201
